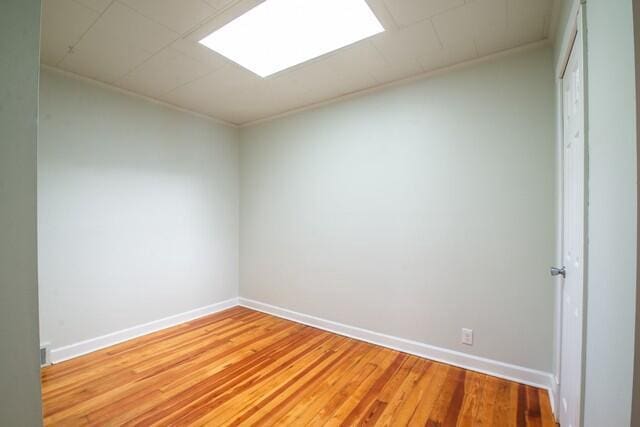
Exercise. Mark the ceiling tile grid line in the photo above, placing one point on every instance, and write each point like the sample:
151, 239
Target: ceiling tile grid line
165, 73
435, 31
191, 13
553, 19
124, 3
226, 6
64, 23
211, 69
410, 12
151, 47
204, 76
119, 41
100, 13
382, 7
97, 5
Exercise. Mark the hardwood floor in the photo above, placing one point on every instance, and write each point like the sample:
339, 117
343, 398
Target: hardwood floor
241, 367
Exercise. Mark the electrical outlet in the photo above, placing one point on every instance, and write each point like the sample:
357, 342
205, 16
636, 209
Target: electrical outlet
467, 336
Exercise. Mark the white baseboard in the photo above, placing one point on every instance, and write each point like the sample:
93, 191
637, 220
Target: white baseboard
78, 349
507, 371
554, 394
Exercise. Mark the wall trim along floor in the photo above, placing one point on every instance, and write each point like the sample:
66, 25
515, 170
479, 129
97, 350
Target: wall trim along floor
495, 368
61, 354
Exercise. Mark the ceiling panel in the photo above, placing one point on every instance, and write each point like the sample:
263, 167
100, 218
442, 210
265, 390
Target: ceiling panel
162, 73
331, 77
107, 67
200, 53
151, 47
277, 94
528, 21
360, 58
490, 25
381, 11
118, 42
455, 31
220, 4
64, 21
409, 12
214, 90
224, 16
123, 24
179, 16
97, 5
403, 48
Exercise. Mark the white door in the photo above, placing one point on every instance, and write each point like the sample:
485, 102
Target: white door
573, 236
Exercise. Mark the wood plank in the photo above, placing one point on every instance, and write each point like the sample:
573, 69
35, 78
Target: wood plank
242, 367
486, 402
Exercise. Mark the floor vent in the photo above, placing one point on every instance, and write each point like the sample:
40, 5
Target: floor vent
44, 355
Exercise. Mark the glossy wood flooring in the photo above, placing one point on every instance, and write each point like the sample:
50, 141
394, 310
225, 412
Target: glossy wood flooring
241, 367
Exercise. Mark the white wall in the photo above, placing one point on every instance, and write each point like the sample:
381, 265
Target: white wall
414, 211
19, 363
138, 211
612, 213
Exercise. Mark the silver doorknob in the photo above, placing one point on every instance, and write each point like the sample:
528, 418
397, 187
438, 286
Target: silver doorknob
555, 271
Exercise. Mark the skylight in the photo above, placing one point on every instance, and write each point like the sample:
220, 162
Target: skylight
278, 34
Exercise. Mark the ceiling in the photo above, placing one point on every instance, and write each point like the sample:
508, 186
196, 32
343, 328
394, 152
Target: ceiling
151, 47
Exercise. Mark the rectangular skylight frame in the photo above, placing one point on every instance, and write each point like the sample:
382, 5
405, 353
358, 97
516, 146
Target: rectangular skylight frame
279, 34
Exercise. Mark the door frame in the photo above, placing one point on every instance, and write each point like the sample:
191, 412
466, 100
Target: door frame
635, 400
575, 25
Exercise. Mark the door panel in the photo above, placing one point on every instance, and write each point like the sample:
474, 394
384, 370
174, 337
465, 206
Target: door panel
573, 237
